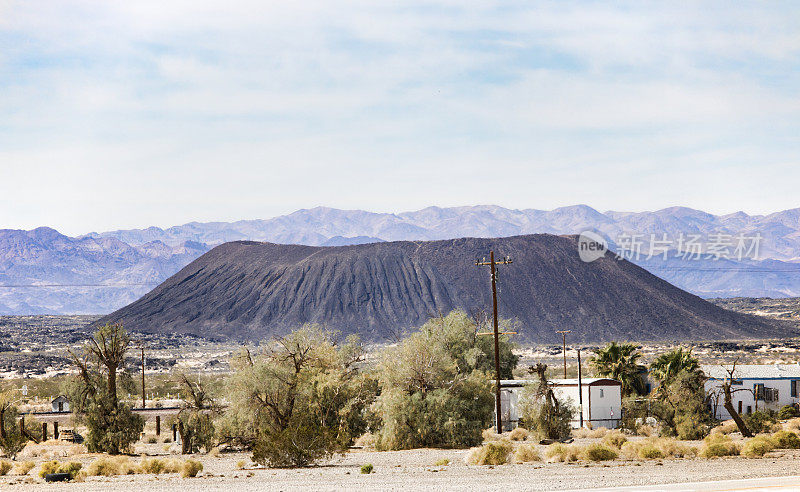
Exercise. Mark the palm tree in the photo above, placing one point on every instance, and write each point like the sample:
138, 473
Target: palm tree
667, 366
619, 361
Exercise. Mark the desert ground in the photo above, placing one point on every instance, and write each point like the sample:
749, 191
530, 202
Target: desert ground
404, 470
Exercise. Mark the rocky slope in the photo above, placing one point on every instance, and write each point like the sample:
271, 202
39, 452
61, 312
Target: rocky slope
251, 290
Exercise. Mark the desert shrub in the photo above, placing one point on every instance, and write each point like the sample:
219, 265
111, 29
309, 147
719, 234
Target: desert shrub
434, 389
598, 452
646, 430
757, 447
760, 421
151, 440
491, 453
71, 468
367, 469
792, 425
562, 452
787, 412
547, 420
681, 405
518, 434
240, 465
5, 467
112, 465
716, 445
15, 440
615, 439
526, 453
24, 467
442, 462
598, 433
191, 468
786, 440
302, 401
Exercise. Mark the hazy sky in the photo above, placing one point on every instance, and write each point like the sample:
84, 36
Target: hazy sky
137, 113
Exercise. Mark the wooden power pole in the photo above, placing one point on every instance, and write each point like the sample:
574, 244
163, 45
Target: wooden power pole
143, 396
564, 336
493, 264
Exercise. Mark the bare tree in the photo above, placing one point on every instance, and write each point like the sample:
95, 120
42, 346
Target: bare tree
728, 395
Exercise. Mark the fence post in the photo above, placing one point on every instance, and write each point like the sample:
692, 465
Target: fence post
44, 431
158, 425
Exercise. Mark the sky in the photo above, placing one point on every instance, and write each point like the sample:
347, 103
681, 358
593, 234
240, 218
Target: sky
131, 114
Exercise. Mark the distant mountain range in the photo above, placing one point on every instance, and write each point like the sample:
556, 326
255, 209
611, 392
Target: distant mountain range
128, 263
253, 290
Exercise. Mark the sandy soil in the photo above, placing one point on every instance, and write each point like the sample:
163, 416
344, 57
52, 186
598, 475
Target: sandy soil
414, 470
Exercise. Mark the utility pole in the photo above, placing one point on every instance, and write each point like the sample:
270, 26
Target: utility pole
496, 333
580, 390
143, 395
564, 335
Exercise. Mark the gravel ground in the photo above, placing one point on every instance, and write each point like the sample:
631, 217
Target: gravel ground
414, 470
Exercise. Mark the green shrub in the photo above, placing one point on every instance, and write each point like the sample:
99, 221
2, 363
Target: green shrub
615, 439
526, 453
758, 447
5, 467
788, 412
71, 468
761, 421
152, 465
598, 452
191, 468
491, 453
366, 469
786, 440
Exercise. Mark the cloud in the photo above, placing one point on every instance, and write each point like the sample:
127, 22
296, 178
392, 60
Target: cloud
238, 109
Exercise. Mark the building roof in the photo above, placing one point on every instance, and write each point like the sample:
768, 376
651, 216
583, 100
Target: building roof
753, 371
511, 383
59, 397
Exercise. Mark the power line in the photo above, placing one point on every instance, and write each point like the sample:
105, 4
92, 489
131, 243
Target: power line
31, 286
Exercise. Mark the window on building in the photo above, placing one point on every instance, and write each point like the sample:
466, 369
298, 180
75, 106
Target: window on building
758, 390
740, 406
601, 392
794, 388
749, 409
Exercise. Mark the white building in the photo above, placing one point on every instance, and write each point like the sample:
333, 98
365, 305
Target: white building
60, 404
600, 400
754, 387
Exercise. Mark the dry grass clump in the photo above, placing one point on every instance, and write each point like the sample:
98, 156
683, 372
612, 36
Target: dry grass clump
615, 439
191, 468
792, 425
108, 466
442, 462
657, 448
590, 433
716, 445
214, 453
24, 467
646, 430
240, 465
52, 449
519, 434
786, 440
598, 452
71, 468
156, 466
562, 452
727, 427
366, 441
5, 467
758, 447
490, 435
491, 453
526, 453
